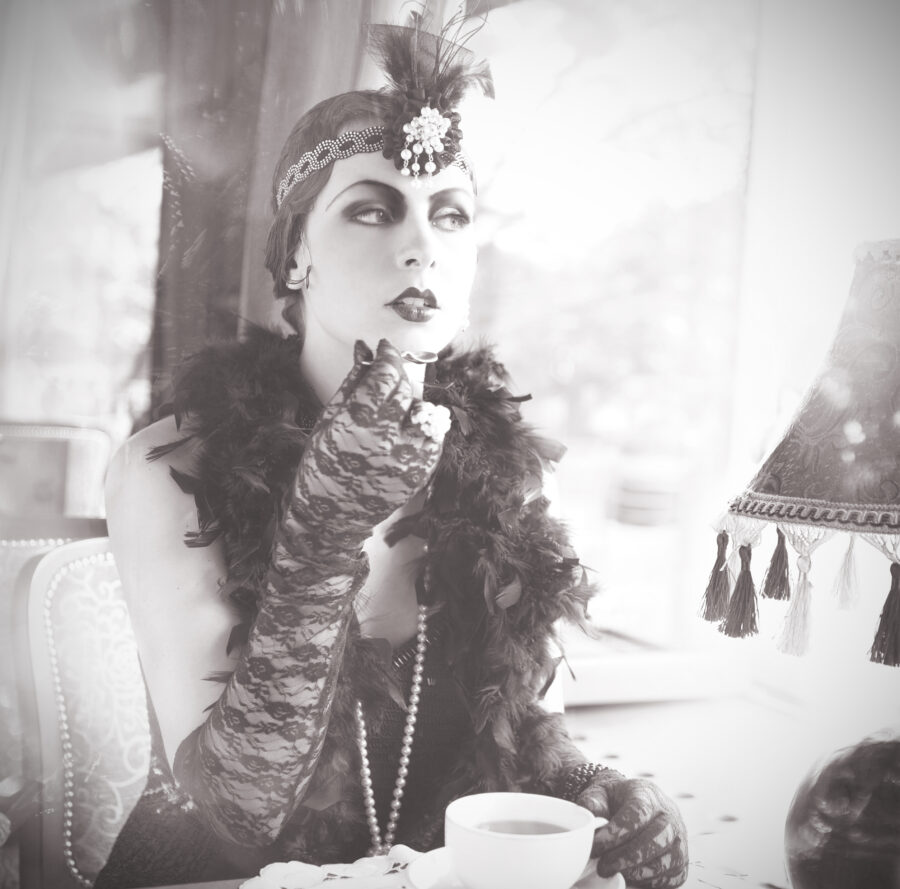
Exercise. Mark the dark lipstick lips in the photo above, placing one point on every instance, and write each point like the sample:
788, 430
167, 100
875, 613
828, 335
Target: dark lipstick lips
414, 292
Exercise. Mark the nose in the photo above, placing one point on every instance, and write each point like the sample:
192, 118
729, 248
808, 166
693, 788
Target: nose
417, 247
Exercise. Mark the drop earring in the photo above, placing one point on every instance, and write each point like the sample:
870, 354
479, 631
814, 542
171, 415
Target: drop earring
295, 283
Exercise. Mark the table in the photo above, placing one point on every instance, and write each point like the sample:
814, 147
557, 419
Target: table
384, 876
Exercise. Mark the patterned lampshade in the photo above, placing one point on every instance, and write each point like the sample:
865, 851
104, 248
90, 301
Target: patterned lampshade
837, 469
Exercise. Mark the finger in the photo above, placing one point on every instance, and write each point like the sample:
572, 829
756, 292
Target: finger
629, 819
674, 855
386, 354
397, 402
381, 404
362, 358
383, 376
647, 843
362, 354
666, 872
596, 800
381, 371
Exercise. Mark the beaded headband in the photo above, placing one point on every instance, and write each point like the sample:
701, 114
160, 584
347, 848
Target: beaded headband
329, 150
421, 150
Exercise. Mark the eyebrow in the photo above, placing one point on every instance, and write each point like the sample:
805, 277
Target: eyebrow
396, 194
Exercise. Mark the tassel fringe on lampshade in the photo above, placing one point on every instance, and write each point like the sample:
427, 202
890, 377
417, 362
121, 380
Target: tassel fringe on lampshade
777, 582
835, 471
846, 585
718, 590
886, 647
741, 615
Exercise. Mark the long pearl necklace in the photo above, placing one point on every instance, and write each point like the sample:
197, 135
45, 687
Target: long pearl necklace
382, 846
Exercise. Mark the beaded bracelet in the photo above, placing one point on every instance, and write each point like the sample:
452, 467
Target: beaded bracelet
578, 779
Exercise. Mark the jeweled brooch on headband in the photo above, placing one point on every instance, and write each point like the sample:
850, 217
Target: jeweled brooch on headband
422, 140
423, 137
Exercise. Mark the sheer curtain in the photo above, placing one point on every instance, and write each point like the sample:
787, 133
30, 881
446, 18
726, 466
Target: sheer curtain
214, 60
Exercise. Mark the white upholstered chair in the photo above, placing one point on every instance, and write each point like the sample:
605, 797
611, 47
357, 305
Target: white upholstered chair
23, 541
85, 707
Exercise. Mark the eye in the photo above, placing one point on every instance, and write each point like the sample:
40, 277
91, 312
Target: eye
451, 219
371, 215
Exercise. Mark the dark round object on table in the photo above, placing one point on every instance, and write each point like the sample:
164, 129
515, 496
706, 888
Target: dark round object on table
843, 825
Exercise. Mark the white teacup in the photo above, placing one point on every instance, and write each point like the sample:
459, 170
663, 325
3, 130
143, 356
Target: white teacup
518, 840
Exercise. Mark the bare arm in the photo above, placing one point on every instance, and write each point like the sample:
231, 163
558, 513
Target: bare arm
180, 620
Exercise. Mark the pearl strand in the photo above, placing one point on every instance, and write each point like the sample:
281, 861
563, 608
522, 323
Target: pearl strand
382, 846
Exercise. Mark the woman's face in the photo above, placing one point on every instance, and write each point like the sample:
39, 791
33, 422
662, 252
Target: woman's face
390, 258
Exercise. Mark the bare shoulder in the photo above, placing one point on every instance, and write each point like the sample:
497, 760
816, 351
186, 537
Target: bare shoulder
131, 469
134, 481
148, 516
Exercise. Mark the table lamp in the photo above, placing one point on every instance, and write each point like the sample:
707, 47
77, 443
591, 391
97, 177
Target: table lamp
835, 471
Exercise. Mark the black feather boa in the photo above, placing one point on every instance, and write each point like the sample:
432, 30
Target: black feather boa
498, 567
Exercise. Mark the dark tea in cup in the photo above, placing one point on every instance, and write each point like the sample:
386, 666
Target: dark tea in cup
518, 841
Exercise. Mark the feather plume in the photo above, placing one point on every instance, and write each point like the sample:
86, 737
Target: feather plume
438, 67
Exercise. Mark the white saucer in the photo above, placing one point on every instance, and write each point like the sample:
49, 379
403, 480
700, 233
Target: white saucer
433, 871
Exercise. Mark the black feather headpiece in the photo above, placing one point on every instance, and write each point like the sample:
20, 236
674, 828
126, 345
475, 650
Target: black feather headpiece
432, 73
429, 74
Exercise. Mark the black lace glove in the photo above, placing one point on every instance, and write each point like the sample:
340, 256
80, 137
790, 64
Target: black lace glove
247, 767
374, 446
645, 839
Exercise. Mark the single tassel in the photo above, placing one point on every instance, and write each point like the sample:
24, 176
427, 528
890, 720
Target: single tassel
777, 582
846, 588
740, 619
886, 647
715, 600
795, 635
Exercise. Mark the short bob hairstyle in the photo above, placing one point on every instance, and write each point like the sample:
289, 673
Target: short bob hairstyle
327, 120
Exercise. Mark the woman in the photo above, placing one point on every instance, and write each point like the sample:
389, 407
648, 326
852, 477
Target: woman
359, 629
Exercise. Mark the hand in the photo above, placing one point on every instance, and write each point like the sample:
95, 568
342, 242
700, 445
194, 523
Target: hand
645, 838
372, 449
